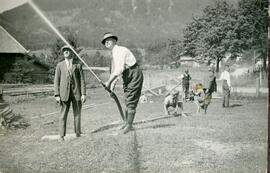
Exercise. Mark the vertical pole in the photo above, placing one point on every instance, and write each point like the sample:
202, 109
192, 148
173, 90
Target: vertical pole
261, 76
148, 82
258, 86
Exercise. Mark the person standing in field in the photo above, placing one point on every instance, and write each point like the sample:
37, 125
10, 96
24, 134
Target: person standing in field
226, 86
69, 87
210, 86
124, 63
185, 83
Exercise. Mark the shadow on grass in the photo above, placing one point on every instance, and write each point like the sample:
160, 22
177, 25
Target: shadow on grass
236, 105
155, 126
136, 165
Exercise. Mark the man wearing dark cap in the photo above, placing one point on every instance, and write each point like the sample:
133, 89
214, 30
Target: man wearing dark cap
124, 63
69, 86
210, 86
185, 83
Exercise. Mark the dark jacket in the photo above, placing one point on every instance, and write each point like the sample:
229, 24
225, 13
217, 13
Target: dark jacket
210, 82
64, 82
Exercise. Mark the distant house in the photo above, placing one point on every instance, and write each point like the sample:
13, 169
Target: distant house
13, 53
187, 61
184, 61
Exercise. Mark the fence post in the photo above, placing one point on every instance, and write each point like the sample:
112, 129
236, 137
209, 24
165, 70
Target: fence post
258, 86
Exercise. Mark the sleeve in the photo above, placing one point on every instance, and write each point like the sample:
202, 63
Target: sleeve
82, 78
119, 62
57, 81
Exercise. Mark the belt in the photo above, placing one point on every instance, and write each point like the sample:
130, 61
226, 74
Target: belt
133, 66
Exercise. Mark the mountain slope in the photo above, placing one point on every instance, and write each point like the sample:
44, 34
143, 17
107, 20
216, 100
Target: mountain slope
136, 22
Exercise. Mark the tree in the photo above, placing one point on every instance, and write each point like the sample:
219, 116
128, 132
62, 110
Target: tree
174, 48
99, 60
224, 29
57, 56
158, 54
252, 26
212, 34
22, 70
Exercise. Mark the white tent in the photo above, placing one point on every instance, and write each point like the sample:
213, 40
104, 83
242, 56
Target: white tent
6, 5
9, 44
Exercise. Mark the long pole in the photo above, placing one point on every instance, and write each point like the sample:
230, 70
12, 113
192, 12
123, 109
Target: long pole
112, 94
62, 38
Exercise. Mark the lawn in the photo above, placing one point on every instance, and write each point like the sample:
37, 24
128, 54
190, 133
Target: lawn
232, 140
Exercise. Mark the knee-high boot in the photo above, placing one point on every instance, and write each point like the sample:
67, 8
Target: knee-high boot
130, 119
125, 120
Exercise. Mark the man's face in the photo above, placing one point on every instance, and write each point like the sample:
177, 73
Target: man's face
67, 54
109, 43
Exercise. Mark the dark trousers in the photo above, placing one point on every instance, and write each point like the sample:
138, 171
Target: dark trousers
132, 85
76, 106
186, 90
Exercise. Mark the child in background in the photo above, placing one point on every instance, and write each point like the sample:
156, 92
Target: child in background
199, 96
173, 103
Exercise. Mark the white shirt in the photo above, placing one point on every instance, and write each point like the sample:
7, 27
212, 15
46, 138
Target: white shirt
225, 75
122, 59
69, 63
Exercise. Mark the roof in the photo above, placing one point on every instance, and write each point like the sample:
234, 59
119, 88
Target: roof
9, 44
186, 58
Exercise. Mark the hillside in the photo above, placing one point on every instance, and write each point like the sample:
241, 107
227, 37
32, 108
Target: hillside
137, 22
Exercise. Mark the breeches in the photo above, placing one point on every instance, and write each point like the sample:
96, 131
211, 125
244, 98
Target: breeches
133, 82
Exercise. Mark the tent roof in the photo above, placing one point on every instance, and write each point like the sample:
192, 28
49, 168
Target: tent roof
9, 44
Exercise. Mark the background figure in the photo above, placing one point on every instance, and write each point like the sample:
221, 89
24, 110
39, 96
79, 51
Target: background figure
199, 96
69, 86
124, 63
226, 86
185, 83
210, 86
174, 100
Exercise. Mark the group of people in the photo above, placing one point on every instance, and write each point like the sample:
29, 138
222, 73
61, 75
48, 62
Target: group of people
202, 93
70, 87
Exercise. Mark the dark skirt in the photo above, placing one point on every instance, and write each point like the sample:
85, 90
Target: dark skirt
132, 85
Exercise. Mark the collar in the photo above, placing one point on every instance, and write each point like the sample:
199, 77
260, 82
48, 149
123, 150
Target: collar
69, 60
115, 47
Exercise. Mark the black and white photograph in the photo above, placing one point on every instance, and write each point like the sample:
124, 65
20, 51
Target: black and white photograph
134, 86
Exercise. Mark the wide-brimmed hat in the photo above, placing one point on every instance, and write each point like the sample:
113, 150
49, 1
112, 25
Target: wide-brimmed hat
64, 47
108, 35
78, 49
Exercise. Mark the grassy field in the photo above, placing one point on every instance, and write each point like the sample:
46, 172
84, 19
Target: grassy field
232, 140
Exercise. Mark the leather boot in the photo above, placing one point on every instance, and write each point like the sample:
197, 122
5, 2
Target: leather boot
125, 121
130, 118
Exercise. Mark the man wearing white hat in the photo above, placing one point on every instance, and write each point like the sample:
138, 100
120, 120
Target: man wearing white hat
124, 63
69, 86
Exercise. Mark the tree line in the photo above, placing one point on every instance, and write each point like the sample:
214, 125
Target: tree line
221, 28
